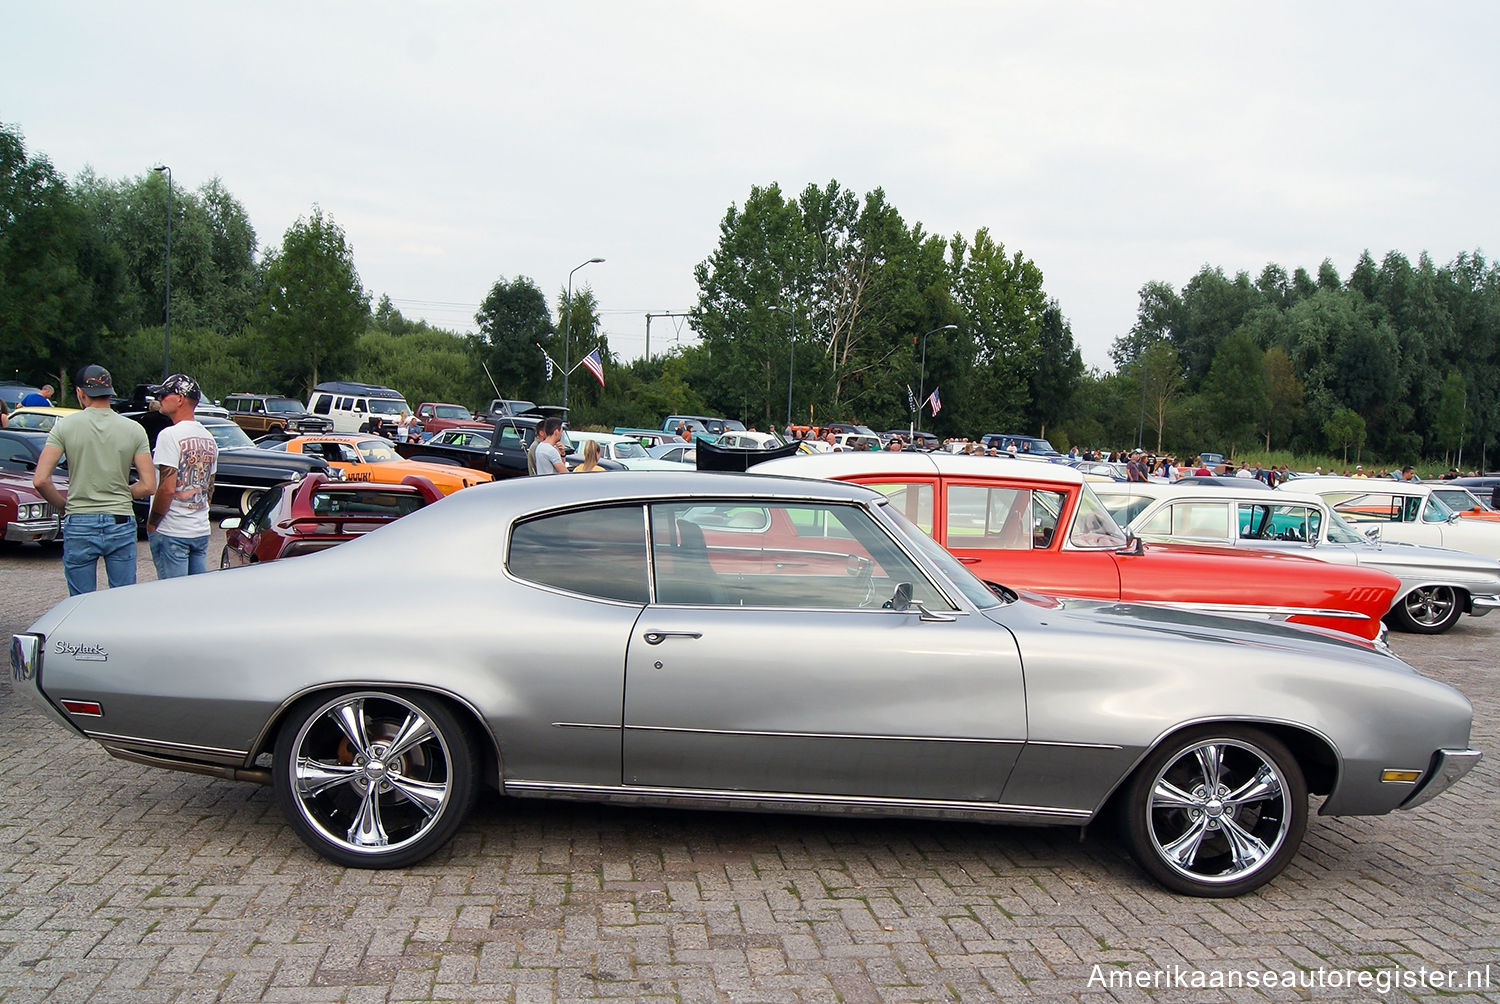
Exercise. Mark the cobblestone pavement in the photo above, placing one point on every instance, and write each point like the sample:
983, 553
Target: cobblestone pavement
123, 883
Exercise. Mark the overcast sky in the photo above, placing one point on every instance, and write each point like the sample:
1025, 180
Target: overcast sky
1112, 144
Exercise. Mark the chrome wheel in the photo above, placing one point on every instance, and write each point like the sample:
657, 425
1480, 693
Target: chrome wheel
1217, 813
1429, 610
375, 779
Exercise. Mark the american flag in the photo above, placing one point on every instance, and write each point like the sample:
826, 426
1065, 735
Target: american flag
934, 402
595, 365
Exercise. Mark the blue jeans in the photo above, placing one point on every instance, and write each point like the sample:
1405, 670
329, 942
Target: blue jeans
89, 536
174, 556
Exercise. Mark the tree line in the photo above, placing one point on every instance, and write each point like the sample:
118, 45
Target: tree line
826, 305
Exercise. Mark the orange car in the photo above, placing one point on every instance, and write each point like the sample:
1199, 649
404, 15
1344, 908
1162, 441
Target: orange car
370, 458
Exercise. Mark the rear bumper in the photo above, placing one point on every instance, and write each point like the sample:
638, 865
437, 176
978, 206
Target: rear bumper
1448, 766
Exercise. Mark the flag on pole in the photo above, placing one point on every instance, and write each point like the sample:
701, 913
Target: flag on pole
595, 365
934, 402
550, 364
911, 399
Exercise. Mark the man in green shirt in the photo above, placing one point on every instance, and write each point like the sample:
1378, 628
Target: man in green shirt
98, 518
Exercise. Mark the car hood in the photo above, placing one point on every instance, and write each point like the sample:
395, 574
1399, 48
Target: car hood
1207, 638
270, 460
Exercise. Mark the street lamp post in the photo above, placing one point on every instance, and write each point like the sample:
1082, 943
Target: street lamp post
568, 331
922, 382
166, 342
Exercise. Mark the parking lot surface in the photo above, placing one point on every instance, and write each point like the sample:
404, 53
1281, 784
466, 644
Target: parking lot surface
123, 883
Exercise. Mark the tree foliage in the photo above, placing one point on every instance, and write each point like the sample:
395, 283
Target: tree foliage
313, 307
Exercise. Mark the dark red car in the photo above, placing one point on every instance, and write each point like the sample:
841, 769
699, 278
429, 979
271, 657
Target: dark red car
314, 514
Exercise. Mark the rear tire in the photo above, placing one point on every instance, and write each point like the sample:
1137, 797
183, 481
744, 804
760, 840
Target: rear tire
248, 498
375, 778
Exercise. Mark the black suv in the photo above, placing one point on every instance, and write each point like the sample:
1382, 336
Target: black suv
274, 414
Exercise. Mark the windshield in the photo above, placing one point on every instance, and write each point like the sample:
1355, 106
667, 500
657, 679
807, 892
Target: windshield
387, 406
282, 405
1093, 526
975, 591
229, 436
1458, 499
630, 450
377, 451
452, 411
1340, 532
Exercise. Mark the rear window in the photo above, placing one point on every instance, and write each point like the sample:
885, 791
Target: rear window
596, 552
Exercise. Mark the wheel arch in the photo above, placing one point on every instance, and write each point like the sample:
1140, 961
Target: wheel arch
1315, 754
467, 714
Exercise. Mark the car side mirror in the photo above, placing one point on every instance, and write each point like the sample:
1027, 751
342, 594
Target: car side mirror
231, 523
901, 598
1373, 533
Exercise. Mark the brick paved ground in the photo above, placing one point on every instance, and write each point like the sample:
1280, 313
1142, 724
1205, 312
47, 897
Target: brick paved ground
122, 883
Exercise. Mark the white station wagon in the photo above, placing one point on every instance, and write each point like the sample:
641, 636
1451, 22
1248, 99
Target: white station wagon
1412, 512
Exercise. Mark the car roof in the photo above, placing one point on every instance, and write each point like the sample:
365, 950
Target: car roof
834, 465
1387, 485
1125, 489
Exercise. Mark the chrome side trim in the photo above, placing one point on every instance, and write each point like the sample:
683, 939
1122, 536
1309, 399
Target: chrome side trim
1249, 609
714, 798
211, 753
584, 725
821, 735
1448, 766
1078, 746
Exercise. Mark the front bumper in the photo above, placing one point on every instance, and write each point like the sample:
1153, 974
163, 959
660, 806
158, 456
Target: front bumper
33, 531
26, 675
1482, 603
1448, 766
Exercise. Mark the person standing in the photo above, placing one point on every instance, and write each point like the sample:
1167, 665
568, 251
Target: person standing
38, 399
101, 446
548, 459
1134, 471
590, 458
187, 460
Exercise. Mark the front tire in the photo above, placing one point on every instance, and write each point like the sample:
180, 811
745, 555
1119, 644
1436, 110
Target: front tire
1428, 610
1216, 811
375, 778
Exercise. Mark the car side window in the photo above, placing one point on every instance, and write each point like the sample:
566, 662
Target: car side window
1206, 520
321, 405
797, 554
260, 515
597, 552
914, 501
1012, 519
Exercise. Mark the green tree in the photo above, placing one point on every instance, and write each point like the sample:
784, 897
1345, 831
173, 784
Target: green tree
314, 307
60, 288
1452, 414
1000, 299
1344, 429
1058, 371
1162, 372
1283, 397
513, 321
1236, 387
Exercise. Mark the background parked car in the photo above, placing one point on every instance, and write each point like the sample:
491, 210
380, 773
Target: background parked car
1402, 511
266, 414
623, 452
313, 514
1031, 524
370, 458
26, 517
1438, 584
36, 419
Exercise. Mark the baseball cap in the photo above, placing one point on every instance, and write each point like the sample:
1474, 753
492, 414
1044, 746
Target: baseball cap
178, 383
94, 381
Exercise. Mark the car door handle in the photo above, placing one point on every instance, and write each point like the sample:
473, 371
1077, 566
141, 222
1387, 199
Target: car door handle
657, 637
967, 561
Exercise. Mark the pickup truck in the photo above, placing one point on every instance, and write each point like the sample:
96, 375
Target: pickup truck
505, 457
436, 416
501, 407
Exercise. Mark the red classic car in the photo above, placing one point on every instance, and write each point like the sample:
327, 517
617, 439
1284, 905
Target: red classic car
25, 517
1034, 525
314, 514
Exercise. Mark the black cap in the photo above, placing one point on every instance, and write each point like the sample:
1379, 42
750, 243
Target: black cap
94, 381
177, 383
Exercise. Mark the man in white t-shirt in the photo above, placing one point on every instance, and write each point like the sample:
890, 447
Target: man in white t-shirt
187, 460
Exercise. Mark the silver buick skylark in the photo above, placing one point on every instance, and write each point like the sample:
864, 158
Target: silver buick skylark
734, 641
